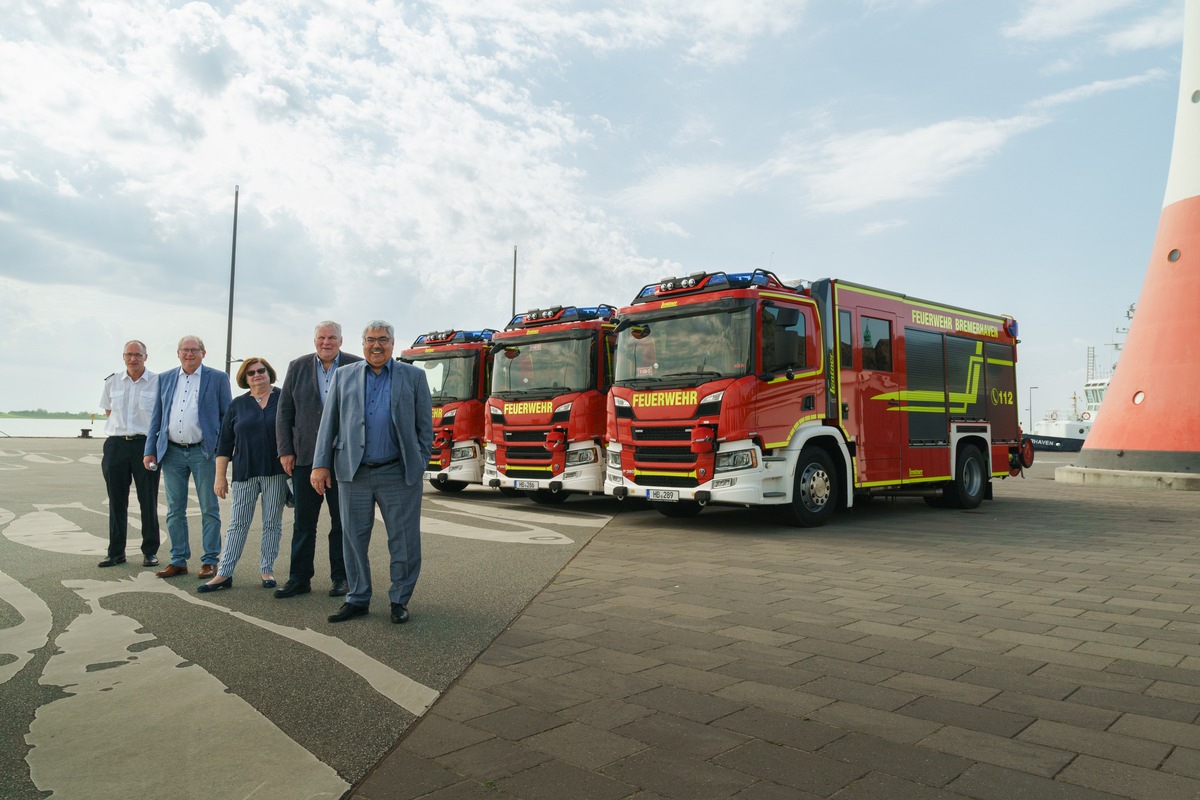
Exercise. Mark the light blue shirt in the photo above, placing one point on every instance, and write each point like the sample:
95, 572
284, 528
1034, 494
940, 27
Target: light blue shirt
382, 444
325, 376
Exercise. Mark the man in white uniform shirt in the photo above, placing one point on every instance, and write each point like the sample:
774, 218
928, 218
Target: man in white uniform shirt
189, 407
128, 400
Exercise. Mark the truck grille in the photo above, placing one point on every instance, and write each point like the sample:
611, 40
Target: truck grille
514, 472
527, 453
664, 434
664, 455
524, 436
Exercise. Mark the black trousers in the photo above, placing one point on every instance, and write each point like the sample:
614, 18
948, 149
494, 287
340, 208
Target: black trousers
122, 465
307, 514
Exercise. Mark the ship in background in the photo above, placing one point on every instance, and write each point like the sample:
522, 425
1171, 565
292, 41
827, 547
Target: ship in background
1064, 431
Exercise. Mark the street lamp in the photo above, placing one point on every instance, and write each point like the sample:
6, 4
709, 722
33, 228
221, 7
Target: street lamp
1031, 388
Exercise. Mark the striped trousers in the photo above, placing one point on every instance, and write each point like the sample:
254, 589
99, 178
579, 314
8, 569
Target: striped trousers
244, 494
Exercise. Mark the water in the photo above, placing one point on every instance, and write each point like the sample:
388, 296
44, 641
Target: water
50, 428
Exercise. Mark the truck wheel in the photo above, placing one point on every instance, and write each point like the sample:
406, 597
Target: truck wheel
448, 486
815, 493
546, 497
680, 510
966, 491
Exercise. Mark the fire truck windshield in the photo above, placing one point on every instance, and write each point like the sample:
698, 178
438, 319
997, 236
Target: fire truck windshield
683, 349
451, 376
545, 367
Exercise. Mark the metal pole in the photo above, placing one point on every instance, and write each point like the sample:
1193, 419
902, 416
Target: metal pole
514, 299
232, 264
1031, 388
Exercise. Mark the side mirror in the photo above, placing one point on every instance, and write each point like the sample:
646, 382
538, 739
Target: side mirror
512, 352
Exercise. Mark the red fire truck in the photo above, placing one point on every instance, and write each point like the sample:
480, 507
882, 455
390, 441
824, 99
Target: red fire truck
740, 389
547, 410
458, 366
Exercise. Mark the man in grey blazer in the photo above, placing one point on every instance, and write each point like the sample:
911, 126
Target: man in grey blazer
296, 423
188, 410
376, 432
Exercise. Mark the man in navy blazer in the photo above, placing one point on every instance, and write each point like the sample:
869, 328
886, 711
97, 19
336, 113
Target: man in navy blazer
187, 417
376, 432
296, 423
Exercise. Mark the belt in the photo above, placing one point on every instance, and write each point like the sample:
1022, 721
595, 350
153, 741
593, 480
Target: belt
134, 437
373, 465
186, 446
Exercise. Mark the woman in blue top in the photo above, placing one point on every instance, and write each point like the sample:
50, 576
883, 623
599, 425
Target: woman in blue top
248, 439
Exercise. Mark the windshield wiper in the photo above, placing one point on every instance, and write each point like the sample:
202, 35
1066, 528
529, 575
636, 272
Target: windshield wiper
699, 373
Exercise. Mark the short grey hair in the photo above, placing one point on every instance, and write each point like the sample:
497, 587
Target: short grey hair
327, 324
139, 343
199, 341
376, 324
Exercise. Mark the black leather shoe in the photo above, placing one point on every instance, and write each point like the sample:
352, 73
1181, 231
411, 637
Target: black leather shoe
347, 611
339, 589
399, 613
150, 561
293, 588
112, 561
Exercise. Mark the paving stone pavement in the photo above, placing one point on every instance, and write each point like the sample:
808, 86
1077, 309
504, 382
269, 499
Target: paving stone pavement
1046, 645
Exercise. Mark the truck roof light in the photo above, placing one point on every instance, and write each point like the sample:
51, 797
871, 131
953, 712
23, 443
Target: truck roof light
452, 336
698, 282
555, 314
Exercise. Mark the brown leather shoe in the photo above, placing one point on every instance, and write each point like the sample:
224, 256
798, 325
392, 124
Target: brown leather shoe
171, 571
207, 571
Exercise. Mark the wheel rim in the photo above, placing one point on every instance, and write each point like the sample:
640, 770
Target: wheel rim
814, 487
972, 477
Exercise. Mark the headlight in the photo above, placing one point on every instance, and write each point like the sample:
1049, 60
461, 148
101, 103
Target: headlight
575, 457
497, 414
620, 402
449, 415
489, 456
565, 407
460, 453
735, 459
614, 458
715, 397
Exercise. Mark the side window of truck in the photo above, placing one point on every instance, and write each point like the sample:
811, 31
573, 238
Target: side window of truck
876, 344
784, 339
845, 339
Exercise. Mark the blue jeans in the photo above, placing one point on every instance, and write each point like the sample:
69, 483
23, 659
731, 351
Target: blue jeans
176, 466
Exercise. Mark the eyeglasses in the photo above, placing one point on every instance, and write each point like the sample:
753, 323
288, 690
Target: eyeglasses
376, 339
262, 371
134, 355
190, 351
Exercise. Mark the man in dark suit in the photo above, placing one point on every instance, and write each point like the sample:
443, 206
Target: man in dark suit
188, 410
296, 422
376, 431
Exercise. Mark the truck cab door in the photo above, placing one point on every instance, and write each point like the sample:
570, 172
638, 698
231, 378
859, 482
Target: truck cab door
877, 387
791, 389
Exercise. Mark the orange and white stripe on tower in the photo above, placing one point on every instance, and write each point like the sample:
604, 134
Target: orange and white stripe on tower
1150, 417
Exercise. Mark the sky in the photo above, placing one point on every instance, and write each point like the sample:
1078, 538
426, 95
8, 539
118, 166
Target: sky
1007, 156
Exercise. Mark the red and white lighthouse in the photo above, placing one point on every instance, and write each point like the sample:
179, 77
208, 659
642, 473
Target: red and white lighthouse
1150, 418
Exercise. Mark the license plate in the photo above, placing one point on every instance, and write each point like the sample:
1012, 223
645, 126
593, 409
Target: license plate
525, 486
662, 494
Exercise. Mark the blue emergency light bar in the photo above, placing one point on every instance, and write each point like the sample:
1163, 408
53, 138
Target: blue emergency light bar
557, 314
454, 337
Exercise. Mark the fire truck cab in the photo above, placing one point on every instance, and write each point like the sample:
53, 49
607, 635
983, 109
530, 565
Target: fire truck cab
458, 366
547, 412
739, 389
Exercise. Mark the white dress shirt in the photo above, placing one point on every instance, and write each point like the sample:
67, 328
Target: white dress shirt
185, 410
130, 403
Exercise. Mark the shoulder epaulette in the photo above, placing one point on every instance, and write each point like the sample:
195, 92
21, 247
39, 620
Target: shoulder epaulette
109, 375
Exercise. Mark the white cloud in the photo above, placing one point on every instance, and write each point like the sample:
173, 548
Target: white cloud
1158, 30
882, 226
1054, 19
1096, 88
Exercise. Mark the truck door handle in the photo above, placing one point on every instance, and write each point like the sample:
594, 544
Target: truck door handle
893, 402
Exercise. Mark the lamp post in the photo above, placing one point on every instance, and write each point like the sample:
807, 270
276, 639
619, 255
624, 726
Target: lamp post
1031, 388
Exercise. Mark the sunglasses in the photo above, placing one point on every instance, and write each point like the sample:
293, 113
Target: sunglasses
261, 371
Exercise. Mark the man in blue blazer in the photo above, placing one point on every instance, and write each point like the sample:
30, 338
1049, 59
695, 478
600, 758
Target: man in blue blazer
187, 417
376, 432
